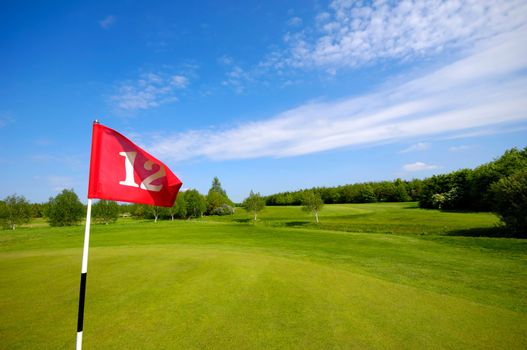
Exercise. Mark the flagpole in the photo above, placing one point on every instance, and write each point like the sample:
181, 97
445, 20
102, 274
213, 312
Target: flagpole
84, 271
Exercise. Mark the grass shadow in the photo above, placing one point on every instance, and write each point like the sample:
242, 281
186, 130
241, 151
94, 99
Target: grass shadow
242, 221
296, 223
492, 232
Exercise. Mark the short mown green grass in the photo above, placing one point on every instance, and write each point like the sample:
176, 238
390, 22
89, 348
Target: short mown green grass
384, 276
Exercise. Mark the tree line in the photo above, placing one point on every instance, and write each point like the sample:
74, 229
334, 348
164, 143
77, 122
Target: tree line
499, 186
189, 204
66, 209
368, 192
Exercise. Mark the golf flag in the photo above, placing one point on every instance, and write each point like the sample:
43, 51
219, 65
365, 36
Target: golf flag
122, 171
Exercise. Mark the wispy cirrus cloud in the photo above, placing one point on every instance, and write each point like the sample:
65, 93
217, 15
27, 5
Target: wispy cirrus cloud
107, 22
354, 33
484, 90
237, 78
149, 91
420, 146
294, 21
460, 148
419, 166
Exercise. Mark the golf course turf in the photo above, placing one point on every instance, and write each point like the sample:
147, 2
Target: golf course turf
369, 276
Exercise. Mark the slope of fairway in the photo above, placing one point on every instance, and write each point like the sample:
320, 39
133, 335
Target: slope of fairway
398, 218
228, 285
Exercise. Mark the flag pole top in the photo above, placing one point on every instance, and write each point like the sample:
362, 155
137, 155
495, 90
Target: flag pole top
96, 121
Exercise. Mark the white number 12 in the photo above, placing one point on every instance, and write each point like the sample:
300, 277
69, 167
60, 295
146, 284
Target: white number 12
129, 161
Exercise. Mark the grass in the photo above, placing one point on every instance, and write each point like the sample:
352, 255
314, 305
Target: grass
398, 218
369, 276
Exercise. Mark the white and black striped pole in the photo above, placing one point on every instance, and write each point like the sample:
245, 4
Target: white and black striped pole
84, 271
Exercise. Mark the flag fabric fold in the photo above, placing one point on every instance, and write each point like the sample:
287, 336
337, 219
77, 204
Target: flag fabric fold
122, 171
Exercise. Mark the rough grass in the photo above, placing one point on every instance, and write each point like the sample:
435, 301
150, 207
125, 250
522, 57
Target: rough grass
224, 282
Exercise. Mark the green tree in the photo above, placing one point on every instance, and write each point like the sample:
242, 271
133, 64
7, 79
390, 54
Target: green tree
179, 209
37, 210
330, 195
138, 211
65, 209
312, 202
254, 203
415, 188
155, 212
400, 193
125, 210
105, 211
214, 200
218, 203
468, 189
14, 210
438, 200
366, 194
216, 187
384, 191
484, 176
510, 201
196, 204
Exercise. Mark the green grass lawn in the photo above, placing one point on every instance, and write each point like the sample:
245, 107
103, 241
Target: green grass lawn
399, 218
369, 276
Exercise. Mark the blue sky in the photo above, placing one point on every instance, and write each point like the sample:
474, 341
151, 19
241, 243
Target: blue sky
267, 95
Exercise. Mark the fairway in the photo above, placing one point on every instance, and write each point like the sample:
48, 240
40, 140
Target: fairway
381, 276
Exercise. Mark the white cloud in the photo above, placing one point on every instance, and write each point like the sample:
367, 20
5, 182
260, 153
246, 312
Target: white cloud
460, 148
294, 21
353, 33
179, 81
149, 91
237, 79
420, 146
419, 166
107, 22
491, 130
484, 90
225, 60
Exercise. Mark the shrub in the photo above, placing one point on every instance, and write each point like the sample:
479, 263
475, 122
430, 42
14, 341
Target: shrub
510, 201
224, 209
14, 210
105, 211
65, 209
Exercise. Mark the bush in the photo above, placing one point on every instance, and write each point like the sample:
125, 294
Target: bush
510, 201
217, 201
105, 211
14, 210
224, 209
65, 209
196, 204
179, 209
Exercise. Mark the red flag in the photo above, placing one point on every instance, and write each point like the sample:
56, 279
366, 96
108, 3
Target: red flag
122, 171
